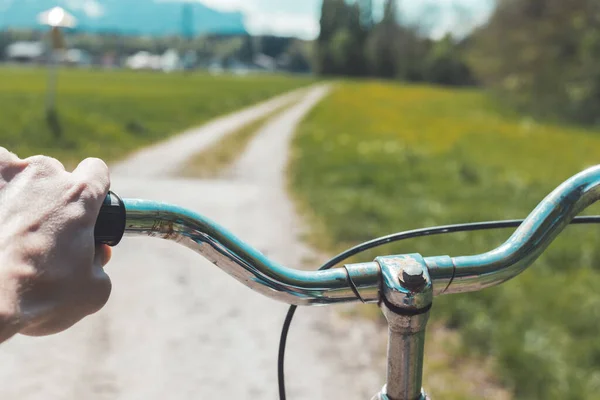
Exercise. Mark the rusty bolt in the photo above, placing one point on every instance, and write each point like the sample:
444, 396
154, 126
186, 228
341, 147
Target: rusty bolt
412, 277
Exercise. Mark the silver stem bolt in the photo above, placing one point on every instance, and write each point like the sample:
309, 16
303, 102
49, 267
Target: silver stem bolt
412, 278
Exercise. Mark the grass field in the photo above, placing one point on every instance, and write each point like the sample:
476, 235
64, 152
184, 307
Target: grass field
378, 158
110, 113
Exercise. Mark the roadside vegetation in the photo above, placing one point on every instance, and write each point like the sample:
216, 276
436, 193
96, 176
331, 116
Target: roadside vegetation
213, 161
547, 62
110, 113
377, 158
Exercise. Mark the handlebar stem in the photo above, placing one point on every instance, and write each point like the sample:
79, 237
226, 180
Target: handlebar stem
406, 299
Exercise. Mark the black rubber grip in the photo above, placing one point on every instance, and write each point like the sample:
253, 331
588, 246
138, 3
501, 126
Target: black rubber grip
110, 225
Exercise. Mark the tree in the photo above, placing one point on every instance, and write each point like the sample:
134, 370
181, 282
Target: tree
444, 64
297, 57
382, 46
328, 24
390, 12
543, 56
247, 50
351, 44
341, 42
356, 64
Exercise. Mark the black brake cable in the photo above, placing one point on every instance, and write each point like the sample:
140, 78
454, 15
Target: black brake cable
396, 237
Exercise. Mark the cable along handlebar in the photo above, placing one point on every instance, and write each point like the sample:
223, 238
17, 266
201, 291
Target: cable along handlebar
131, 217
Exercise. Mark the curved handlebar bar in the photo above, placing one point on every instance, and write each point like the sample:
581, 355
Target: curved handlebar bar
546, 221
238, 259
356, 281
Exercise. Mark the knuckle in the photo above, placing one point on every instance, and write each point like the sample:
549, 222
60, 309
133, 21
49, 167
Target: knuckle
77, 191
97, 177
99, 167
10, 166
86, 191
97, 162
44, 165
9, 161
7, 156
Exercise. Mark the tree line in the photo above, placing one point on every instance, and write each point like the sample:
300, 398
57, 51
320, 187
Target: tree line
351, 43
541, 56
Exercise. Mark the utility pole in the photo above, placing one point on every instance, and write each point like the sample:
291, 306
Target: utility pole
56, 18
188, 31
390, 12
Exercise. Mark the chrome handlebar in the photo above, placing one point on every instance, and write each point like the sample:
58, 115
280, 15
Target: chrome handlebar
361, 281
532, 237
240, 260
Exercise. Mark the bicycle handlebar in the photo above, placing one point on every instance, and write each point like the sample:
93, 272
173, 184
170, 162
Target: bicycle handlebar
237, 258
532, 237
356, 281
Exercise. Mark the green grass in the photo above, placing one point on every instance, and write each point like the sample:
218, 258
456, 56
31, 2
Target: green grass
110, 113
374, 159
211, 162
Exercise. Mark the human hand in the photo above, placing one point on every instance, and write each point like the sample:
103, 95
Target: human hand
51, 271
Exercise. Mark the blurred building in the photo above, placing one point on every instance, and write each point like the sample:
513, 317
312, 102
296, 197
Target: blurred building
144, 60
76, 57
170, 61
189, 60
109, 60
26, 52
265, 62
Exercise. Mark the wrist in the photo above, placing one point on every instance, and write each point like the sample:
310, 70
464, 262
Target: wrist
12, 282
9, 326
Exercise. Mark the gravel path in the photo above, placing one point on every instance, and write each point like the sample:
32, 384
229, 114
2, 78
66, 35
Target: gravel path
176, 327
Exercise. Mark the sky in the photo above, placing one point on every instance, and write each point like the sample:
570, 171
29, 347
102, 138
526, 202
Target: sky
301, 17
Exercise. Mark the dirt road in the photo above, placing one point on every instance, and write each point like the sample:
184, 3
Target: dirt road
176, 327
